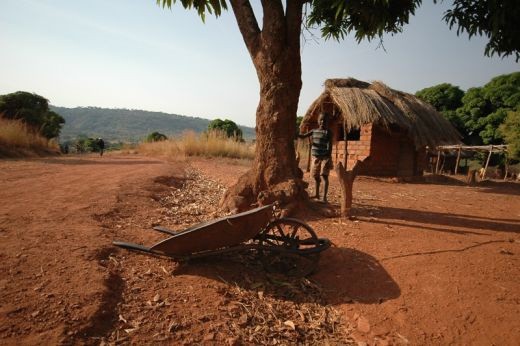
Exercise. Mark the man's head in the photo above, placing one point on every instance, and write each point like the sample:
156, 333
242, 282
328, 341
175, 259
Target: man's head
323, 120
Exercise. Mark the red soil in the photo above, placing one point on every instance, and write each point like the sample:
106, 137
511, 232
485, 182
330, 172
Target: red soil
424, 263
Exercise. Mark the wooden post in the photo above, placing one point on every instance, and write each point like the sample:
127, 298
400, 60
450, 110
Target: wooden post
506, 166
309, 142
487, 162
438, 161
345, 150
458, 159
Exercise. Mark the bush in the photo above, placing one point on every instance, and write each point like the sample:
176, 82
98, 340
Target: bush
228, 127
155, 137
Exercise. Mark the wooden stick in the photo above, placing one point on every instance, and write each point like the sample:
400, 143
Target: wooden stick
487, 162
458, 159
309, 155
438, 161
345, 158
506, 167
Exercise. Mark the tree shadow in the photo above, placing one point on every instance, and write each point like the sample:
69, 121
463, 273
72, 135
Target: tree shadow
343, 276
351, 276
489, 186
92, 161
402, 216
499, 187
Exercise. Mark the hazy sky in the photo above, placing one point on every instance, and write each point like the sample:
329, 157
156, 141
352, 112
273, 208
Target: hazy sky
134, 54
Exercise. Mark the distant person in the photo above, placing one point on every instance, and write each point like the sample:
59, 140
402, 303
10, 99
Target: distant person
321, 153
101, 146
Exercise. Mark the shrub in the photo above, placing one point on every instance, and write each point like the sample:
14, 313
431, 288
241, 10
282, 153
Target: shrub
156, 137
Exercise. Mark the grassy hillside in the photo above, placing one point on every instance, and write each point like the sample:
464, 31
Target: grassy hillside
128, 124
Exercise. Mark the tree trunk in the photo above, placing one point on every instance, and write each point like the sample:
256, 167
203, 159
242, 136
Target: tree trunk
275, 175
275, 51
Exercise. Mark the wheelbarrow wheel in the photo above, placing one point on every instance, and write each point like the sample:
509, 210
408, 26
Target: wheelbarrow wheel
282, 243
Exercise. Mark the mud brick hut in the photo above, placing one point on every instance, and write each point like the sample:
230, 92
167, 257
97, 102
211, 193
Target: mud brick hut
388, 130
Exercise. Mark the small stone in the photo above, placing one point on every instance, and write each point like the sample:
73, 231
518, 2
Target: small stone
290, 324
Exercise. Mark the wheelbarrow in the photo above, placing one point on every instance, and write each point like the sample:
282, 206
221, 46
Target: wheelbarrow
284, 245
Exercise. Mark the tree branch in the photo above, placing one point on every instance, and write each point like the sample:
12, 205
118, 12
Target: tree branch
247, 24
273, 27
294, 22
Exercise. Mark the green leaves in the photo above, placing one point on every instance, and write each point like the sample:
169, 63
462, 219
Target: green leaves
366, 18
201, 6
444, 97
478, 113
510, 130
497, 20
228, 127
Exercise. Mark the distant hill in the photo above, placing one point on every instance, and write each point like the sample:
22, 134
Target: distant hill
128, 125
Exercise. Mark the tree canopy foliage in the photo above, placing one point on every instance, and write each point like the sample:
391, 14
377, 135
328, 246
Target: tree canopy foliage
34, 110
229, 127
444, 97
485, 108
510, 131
479, 113
496, 20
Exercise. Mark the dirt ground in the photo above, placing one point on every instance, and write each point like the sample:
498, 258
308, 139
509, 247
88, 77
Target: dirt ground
429, 263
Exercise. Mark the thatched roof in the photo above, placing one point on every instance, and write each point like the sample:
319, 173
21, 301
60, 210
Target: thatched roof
362, 103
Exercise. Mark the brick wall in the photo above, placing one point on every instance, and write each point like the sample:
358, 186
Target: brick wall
391, 153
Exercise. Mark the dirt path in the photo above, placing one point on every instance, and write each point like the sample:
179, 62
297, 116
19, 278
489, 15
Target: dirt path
52, 286
425, 263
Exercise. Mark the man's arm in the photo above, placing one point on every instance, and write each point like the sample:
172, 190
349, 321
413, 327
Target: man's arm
305, 135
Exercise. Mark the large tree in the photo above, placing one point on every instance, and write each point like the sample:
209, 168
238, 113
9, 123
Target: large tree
446, 98
485, 108
274, 47
510, 130
32, 109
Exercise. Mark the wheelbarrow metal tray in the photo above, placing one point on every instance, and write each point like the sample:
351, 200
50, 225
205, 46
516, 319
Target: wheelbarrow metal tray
228, 231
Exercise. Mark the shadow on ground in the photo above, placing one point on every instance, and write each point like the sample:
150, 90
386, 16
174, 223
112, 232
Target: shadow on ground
435, 221
343, 276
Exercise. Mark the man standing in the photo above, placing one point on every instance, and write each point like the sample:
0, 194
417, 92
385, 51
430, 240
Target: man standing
101, 146
322, 154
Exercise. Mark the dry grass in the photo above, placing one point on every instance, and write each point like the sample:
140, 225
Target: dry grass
212, 144
18, 140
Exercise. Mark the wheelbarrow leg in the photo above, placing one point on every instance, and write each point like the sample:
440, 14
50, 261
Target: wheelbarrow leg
132, 246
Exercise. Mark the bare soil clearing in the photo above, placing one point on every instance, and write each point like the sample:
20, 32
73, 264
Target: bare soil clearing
422, 263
